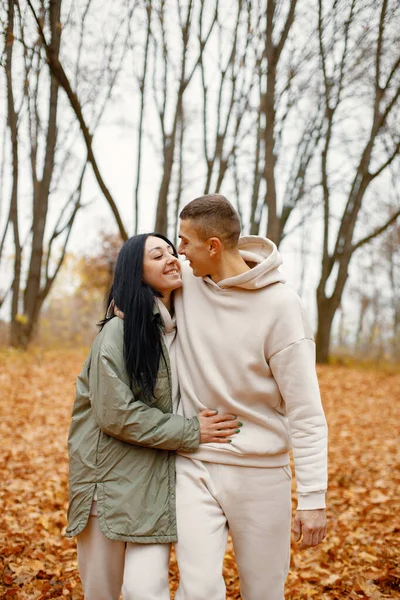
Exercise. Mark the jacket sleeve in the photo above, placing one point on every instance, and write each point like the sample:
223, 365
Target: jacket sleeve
119, 414
294, 370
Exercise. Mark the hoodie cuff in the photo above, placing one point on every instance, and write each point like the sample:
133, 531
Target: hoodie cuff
311, 501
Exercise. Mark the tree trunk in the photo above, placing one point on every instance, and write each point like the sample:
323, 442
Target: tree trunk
323, 336
13, 125
41, 193
254, 216
273, 228
161, 224
143, 90
20, 335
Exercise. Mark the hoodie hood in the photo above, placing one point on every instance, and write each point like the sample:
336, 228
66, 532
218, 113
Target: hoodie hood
264, 259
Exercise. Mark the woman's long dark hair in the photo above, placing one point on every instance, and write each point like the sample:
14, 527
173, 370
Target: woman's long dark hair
142, 329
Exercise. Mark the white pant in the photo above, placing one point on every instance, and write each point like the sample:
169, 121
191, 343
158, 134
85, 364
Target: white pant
107, 565
255, 503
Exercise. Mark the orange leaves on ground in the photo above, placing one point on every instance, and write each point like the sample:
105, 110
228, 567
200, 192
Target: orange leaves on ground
358, 560
37, 390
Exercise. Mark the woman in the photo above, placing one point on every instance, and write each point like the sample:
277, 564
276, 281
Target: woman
123, 433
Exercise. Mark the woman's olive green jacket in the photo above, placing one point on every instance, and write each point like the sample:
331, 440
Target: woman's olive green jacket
122, 445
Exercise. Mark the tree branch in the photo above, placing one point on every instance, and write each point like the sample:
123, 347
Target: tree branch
376, 232
286, 29
387, 162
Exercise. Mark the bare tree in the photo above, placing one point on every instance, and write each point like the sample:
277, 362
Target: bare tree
59, 75
41, 184
273, 52
342, 70
227, 82
184, 75
142, 78
287, 127
39, 257
13, 126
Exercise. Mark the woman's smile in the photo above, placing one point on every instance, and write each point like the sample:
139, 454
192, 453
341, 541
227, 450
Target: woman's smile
173, 271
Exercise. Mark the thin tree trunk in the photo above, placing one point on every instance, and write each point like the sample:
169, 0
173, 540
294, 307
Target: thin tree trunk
364, 304
13, 216
269, 139
254, 217
180, 179
273, 52
141, 116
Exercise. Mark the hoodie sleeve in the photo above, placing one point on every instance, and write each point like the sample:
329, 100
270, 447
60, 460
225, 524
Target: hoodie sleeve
293, 368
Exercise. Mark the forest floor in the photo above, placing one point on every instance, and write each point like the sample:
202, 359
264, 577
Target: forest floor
360, 557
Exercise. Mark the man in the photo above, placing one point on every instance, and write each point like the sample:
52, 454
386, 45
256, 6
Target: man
245, 347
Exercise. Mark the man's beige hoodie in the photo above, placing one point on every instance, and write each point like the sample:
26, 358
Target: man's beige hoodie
245, 346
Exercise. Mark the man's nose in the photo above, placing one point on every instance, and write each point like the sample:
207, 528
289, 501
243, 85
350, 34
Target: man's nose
180, 251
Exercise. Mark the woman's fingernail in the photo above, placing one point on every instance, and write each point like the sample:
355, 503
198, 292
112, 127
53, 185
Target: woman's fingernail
240, 424
229, 441
237, 430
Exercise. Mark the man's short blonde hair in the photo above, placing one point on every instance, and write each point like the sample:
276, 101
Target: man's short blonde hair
213, 216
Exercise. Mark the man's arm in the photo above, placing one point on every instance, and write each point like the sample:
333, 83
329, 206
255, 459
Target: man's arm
294, 371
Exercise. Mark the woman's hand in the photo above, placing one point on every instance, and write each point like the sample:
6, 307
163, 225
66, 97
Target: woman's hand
217, 428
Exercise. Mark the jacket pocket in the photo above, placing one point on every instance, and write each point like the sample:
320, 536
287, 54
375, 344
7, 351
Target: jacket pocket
162, 398
161, 390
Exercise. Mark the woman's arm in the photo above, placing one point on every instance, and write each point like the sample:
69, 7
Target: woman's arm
119, 414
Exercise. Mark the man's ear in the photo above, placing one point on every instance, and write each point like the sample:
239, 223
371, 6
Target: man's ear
214, 246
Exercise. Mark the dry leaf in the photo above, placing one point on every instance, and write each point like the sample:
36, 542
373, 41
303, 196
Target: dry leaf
359, 559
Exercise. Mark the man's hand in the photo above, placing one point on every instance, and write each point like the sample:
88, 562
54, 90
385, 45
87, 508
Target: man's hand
309, 527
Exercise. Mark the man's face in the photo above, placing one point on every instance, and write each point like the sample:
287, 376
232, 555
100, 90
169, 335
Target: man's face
194, 249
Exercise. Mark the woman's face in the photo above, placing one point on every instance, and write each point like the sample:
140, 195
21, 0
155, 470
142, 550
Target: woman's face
161, 269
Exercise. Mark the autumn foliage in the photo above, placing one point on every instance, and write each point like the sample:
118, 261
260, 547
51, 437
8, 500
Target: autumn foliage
359, 559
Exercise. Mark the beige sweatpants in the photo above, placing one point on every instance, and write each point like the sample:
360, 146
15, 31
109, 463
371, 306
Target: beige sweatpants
255, 504
106, 566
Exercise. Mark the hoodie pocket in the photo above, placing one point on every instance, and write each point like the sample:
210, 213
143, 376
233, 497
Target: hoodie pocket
288, 471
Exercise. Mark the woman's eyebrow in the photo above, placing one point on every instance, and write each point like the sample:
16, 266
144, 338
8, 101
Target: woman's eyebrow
160, 248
